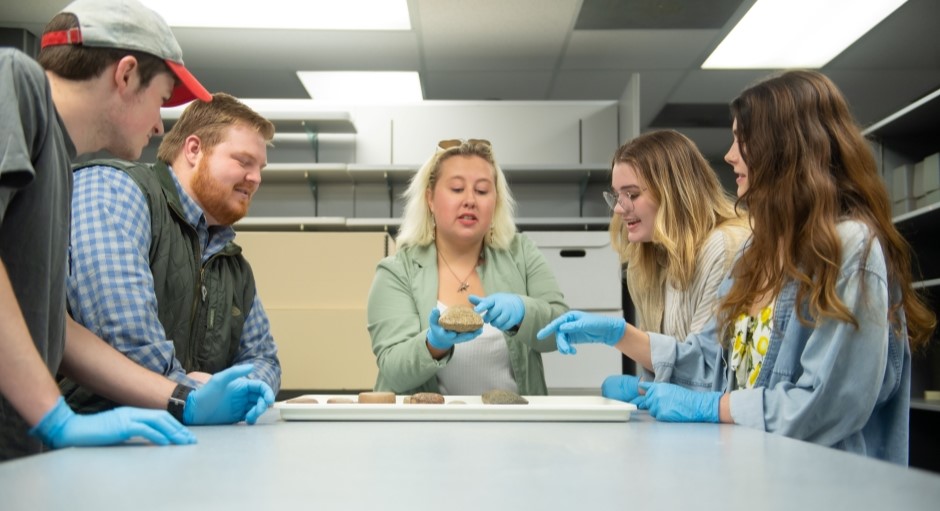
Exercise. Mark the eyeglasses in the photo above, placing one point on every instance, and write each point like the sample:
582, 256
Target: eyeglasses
456, 142
613, 198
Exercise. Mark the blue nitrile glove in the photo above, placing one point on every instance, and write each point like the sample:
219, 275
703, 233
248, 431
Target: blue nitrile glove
621, 387
576, 327
443, 339
228, 397
503, 310
61, 427
671, 403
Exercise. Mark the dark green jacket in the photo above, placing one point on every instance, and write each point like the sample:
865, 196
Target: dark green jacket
202, 307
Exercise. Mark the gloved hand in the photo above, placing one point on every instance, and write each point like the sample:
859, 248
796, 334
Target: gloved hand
228, 397
61, 427
622, 387
671, 403
576, 327
443, 339
503, 310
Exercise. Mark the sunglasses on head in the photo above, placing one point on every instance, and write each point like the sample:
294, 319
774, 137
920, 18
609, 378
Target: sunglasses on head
456, 142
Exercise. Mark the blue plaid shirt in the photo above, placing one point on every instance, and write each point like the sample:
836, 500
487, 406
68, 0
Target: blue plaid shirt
110, 286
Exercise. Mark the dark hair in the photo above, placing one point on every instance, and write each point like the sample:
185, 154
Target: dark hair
809, 166
79, 62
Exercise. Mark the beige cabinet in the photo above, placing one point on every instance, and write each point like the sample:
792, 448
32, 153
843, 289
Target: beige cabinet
314, 287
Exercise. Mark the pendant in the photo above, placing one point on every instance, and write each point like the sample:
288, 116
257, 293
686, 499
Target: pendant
463, 287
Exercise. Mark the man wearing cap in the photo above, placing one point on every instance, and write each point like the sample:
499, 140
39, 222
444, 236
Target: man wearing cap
155, 269
110, 65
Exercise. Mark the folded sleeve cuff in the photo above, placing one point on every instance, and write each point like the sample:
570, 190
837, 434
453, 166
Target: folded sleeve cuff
747, 408
663, 355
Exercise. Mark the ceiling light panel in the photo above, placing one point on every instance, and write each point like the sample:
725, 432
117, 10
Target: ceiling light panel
779, 34
362, 86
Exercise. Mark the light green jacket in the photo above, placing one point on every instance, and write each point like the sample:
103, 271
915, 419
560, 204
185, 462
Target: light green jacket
404, 292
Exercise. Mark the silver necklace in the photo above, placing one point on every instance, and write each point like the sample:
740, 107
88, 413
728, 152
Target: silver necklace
464, 282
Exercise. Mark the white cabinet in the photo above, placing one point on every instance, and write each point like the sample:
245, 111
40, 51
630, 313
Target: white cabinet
588, 272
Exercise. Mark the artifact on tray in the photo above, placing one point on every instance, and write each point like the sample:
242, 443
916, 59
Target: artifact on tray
424, 398
503, 397
461, 318
340, 400
303, 400
377, 398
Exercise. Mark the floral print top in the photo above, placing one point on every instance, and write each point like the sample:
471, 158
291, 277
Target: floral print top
751, 338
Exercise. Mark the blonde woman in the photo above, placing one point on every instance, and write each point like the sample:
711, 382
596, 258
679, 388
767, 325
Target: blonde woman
676, 230
458, 245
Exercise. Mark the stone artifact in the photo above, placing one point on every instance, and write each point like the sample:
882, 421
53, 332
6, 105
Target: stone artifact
377, 398
303, 400
340, 400
503, 397
425, 398
461, 318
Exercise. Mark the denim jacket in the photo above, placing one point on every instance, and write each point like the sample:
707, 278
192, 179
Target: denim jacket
832, 384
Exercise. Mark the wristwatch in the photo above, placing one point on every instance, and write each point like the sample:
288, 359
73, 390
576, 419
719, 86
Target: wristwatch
177, 402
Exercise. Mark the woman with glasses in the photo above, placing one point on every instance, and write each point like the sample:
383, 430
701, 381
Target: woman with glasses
458, 245
818, 317
676, 231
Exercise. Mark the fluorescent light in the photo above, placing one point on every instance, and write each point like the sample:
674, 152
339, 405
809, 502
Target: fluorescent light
778, 34
285, 14
362, 86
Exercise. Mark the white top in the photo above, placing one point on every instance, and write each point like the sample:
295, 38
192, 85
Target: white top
688, 311
478, 365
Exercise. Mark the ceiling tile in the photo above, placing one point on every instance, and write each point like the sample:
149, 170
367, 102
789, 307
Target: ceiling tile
654, 14
487, 85
493, 34
637, 49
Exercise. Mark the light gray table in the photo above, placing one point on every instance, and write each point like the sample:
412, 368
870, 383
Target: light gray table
638, 465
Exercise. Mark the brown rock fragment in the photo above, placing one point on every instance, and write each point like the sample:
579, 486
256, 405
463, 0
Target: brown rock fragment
503, 397
461, 318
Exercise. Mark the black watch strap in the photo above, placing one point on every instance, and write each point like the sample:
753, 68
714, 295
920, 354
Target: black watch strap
177, 402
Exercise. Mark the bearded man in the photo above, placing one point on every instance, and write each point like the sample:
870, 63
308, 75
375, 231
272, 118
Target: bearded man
154, 269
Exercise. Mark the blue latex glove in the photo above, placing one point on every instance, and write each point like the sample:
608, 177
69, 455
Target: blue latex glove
61, 427
622, 387
503, 310
671, 403
576, 327
228, 397
443, 339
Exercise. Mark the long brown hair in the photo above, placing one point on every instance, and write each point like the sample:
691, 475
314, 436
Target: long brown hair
808, 168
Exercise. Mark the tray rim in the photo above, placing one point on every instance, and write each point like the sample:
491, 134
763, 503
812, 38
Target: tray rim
566, 408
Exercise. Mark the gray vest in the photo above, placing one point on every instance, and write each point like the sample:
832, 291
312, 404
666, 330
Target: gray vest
202, 307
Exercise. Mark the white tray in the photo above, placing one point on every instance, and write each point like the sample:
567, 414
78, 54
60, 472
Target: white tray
540, 408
